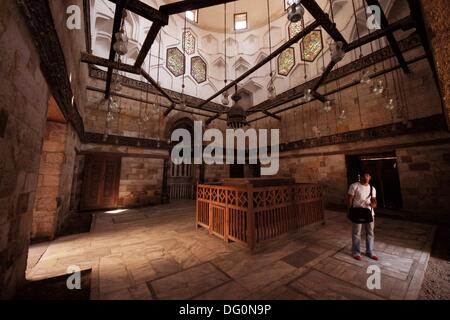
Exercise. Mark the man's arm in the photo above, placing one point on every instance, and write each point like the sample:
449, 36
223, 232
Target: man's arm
373, 202
350, 200
373, 199
350, 195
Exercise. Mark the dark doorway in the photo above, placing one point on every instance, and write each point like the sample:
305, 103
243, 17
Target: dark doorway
385, 178
101, 182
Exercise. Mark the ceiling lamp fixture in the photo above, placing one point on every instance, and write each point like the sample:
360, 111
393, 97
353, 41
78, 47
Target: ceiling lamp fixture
342, 117
271, 90
237, 117
337, 51
390, 105
225, 94
308, 95
328, 106
296, 10
365, 78
378, 88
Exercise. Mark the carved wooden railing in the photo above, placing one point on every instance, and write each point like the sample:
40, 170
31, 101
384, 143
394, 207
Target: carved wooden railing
251, 215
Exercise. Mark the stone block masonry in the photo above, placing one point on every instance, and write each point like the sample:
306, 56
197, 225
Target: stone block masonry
425, 181
23, 108
52, 204
141, 181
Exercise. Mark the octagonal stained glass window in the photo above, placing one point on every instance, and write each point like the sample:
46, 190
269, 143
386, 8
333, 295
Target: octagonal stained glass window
294, 29
188, 42
198, 69
286, 61
311, 46
175, 61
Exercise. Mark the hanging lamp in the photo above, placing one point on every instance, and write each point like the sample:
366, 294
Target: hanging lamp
271, 90
225, 94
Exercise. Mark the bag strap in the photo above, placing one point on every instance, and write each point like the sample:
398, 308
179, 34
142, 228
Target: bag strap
353, 200
370, 195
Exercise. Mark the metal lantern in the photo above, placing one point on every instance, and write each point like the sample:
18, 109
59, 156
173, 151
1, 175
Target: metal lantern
296, 11
237, 117
121, 44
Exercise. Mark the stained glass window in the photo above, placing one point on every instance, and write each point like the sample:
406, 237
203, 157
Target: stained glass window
311, 46
175, 61
294, 28
198, 69
286, 61
189, 42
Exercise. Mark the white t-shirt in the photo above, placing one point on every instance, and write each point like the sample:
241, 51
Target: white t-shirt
361, 194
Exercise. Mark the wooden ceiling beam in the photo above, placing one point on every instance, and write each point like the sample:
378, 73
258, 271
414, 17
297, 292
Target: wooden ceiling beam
145, 11
267, 59
319, 15
148, 42
91, 59
390, 37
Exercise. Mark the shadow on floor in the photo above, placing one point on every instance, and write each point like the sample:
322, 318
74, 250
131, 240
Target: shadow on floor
56, 289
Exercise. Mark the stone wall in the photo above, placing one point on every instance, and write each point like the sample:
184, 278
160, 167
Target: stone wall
216, 172
328, 170
423, 162
141, 176
127, 124
23, 109
52, 204
141, 181
436, 15
47, 203
73, 42
425, 181
418, 98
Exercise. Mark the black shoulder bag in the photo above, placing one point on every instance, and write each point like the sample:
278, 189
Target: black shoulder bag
360, 215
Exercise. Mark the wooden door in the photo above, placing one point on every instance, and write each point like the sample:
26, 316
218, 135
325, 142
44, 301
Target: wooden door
100, 182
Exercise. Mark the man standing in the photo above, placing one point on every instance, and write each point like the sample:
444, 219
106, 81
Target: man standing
362, 195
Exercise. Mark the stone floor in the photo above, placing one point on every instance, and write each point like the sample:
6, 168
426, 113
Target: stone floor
157, 253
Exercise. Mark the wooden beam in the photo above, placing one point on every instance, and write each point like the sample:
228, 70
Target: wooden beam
402, 24
156, 86
417, 16
112, 53
133, 98
347, 86
170, 109
148, 42
145, 11
211, 119
406, 44
324, 75
187, 5
324, 20
270, 114
91, 59
390, 37
274, 54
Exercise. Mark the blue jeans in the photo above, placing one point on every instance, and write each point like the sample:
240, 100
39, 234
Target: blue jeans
356, 238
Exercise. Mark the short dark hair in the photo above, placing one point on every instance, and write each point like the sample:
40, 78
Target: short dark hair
364, 172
